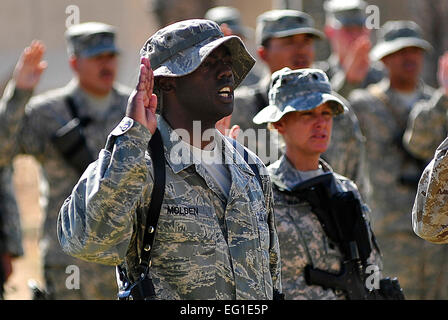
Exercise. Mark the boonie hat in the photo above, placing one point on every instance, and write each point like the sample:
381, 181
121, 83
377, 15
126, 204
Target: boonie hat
179, 49
284, 23
231, 17
341, 13
397, 35
90, 39
298, 90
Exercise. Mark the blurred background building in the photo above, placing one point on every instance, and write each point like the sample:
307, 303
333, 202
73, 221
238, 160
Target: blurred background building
24, 20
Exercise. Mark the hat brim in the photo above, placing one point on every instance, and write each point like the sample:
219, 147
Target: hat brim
286, 33
304, 103
386, 48
187, 61
88, 53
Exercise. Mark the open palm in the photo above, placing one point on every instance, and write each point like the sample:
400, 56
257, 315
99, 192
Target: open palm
142, 103
30, 66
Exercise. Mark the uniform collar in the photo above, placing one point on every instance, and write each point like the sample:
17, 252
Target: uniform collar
180, 158
285, 176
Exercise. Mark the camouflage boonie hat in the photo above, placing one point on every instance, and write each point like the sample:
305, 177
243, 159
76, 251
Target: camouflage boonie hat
181, 47
397, 35
231, 17
340, 13
284, 23
298, 90
90, 39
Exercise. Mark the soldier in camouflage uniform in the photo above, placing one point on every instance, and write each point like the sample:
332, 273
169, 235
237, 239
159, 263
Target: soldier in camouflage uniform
428, 122
430, 210
63, 129
302, 108
285, 39
10, 227
383, 110
215, 237
349, 66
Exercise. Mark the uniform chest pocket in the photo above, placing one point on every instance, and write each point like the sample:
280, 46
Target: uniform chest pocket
184, 222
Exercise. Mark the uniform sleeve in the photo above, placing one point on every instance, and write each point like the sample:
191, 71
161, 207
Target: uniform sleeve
274, 248
427, 126
10, 225
430, 210
12, 111
96, 221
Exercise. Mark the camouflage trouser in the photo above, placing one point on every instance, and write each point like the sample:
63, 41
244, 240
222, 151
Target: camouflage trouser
421, 266
95, 282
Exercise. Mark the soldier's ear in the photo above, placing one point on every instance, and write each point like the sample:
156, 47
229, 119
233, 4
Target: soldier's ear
279, 125
262, 53
73, 62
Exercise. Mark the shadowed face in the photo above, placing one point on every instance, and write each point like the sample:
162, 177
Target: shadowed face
405, 64
207, 93
294, 52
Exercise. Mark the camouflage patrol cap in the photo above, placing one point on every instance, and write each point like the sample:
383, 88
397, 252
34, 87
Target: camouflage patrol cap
298, 90
396, 35
181, 47
90, 39
284, 23
340, 13
231, 17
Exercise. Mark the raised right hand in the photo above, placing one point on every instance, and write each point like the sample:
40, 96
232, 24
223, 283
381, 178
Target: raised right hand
357, 62
29, 68
142, 103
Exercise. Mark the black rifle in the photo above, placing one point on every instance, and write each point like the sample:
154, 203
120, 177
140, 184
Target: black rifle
342, 219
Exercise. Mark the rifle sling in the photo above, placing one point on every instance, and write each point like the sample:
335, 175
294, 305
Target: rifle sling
156, 150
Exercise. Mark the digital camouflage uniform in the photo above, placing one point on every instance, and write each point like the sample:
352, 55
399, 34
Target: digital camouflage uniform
10, 226
430, 211
346, 152
394, 172
28, 128
427, 126
429, 216
419, 266
205, 246
302, 238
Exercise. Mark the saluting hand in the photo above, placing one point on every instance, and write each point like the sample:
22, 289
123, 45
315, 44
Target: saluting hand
357, 62
443, 72
30, 66
142, 103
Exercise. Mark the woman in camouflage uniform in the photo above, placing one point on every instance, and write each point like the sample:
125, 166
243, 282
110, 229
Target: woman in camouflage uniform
302, 109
